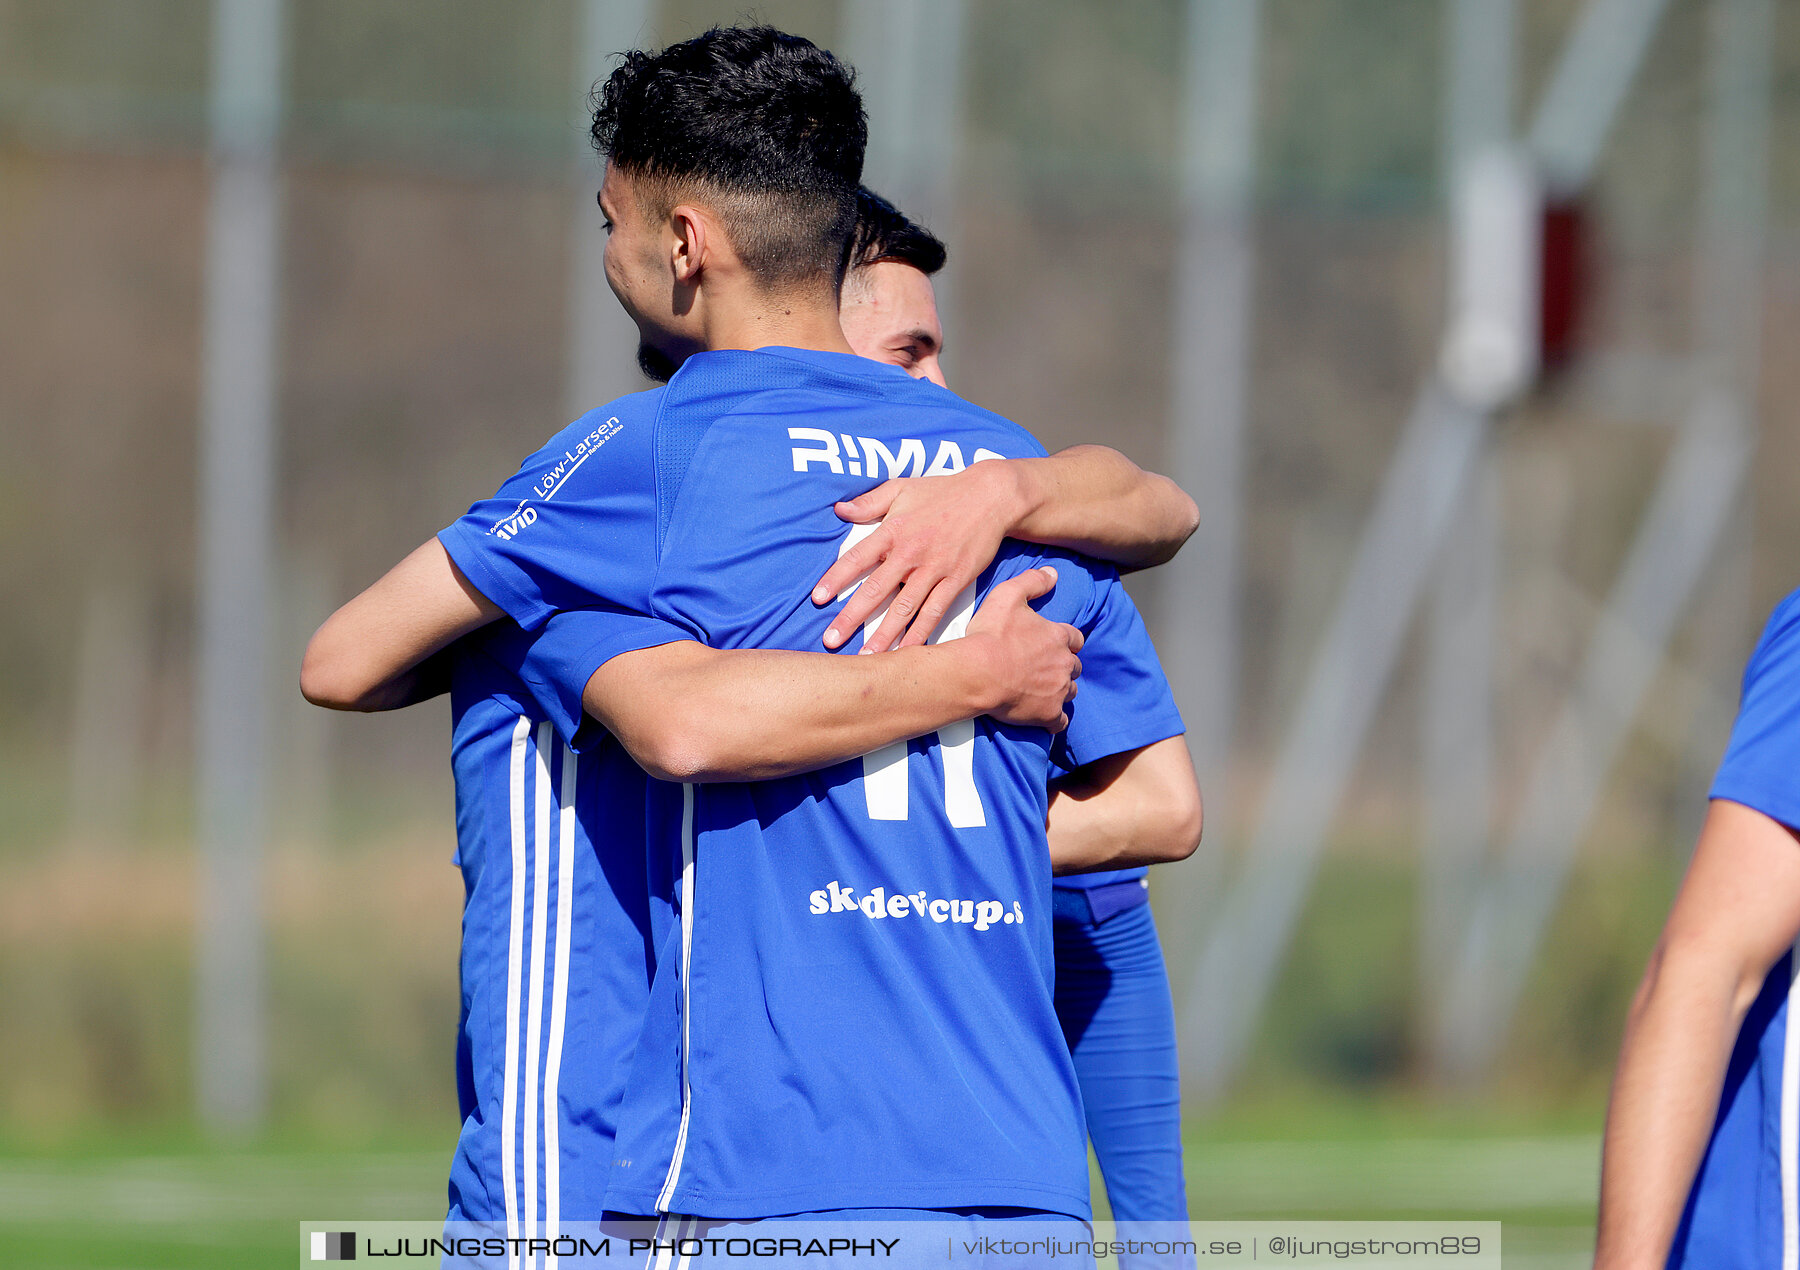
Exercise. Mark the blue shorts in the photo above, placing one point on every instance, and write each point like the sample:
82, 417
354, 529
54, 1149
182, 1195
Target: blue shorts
1112, 996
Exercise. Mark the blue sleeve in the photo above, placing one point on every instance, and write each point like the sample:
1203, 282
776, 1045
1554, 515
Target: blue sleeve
1124, 702
1761, 768
575, 526
563, 655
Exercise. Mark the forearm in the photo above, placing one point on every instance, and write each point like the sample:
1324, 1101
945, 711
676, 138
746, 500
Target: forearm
1737, 913
367, 654
1105, 832
1140, 807
1672, 1065
430, 678
1087, 835
1665, 1094
709, 715
1092, 499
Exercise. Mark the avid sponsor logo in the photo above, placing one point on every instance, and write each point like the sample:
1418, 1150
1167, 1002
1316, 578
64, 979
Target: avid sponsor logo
525, 514
840, 452
878, 905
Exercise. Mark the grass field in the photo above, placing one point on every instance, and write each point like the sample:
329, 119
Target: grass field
177, 1204
149, 1200
1335, 1116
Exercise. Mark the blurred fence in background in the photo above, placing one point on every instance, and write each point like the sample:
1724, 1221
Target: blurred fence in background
1110, 196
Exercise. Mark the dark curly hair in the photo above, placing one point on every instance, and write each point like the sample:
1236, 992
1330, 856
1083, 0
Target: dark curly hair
884, 232
766, 126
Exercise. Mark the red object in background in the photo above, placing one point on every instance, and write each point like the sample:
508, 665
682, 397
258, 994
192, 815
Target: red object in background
1565, 280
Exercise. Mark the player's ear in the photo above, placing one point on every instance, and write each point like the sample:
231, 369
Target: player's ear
690, 242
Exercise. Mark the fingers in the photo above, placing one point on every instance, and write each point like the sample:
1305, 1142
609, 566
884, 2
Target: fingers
877, 589
1026, 587
850, 566
870, 506
1038, 582
1062, 719
932, 613
908, 605
917, 601
1076, 640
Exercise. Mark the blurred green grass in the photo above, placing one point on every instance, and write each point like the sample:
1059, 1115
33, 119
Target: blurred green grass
1334, 1117
181, 1203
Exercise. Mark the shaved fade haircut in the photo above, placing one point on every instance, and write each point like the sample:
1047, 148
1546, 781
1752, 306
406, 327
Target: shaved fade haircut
764, 127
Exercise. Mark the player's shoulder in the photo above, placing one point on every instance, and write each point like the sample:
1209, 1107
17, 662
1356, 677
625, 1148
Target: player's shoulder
570, 464
1023, 444
1783, 626
1082, 582
1004, 438
626, 419
735, 382
633, 405
1779, 645
1759, 763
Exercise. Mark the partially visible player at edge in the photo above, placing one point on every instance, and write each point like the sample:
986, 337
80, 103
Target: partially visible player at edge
695, 685
1701, 1166
1112, 988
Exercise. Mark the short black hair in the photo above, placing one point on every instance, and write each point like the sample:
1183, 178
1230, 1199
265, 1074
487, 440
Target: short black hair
768, 126
884, 232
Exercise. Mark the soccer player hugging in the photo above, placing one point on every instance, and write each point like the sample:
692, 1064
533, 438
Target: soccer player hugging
756, 930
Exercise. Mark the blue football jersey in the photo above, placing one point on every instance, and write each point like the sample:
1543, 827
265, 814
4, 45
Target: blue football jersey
1114, 663
1744, 1210
855, 1007
557, 938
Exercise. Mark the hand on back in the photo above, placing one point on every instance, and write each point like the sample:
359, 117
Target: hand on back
937, 533
1033, 660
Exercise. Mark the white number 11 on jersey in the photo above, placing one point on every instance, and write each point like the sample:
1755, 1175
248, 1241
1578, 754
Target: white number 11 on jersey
884, 770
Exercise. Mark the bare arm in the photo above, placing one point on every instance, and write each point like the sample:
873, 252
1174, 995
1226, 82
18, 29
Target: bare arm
687, 712
1092, 499
1737, 912
691, 713
372, 653
1140, 807
938, 533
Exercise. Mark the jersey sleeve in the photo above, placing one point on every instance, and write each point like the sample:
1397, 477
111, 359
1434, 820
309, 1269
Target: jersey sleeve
1124, 702
561, 656
1761, 768
575, 526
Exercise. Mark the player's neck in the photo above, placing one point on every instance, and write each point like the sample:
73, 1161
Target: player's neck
760, 319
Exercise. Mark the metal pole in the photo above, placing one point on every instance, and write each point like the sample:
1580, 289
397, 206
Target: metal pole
1457, 725
1457, 717
237, 448
1418, 498
601, 361
1428, 473
1209, 389
909, 66
1694, 503
1598, 63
